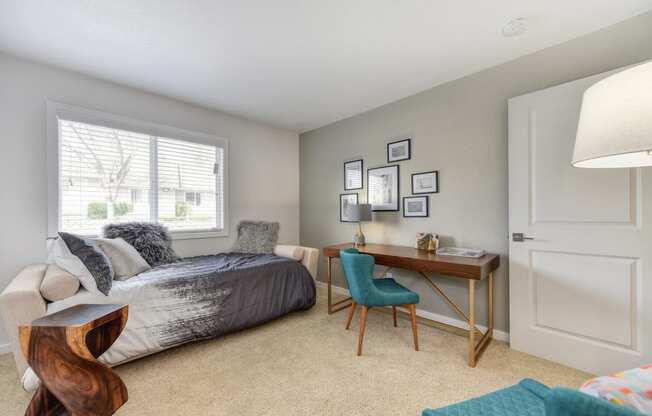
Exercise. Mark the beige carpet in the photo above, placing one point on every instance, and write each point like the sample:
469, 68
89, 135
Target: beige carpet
305, 364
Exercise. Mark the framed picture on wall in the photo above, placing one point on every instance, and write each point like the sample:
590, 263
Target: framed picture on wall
353, 175
346, 200
383, 188
399, 150
415, 206
425, 182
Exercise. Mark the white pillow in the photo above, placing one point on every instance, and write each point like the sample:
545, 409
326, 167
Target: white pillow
72, 264
125, 259
58, 284
292, 252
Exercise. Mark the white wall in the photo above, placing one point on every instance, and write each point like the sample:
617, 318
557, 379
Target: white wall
460, 129
264, 161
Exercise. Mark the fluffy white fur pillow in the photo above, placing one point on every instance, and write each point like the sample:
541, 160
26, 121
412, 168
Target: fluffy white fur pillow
257, 237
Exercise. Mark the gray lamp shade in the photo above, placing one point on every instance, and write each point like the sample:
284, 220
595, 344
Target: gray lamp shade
360, 212
615, 127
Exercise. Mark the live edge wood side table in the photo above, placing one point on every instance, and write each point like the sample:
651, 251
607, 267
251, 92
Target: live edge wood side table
470, 269
62, 349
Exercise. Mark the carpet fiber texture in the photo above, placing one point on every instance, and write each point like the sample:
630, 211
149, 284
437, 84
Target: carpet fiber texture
305, 363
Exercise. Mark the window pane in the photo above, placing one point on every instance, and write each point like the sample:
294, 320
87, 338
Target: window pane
104, 177
188, 197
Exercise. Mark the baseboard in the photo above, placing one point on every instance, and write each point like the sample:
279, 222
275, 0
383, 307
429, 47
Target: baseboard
498, 335
5, 349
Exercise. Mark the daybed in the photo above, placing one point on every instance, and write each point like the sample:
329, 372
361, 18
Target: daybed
196, 298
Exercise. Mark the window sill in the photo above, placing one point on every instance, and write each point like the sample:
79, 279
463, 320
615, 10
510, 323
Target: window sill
191, 235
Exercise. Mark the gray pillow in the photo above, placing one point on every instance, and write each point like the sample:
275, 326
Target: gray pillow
97, 263
257, 237
150, 240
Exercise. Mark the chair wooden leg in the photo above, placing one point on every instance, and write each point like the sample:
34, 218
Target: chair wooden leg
363, 322
394, 316
351, 312
413, 315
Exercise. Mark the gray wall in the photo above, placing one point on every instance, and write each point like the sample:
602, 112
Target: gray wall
263, 168
460, 129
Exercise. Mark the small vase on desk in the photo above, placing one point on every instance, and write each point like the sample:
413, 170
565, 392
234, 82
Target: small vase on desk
433, 244
359, 239
422, 241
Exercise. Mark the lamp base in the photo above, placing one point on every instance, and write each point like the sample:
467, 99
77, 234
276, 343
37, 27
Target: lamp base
359, 239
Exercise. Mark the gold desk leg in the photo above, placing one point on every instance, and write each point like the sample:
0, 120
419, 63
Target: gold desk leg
475, 349
339, 305
472, 357
490, 304
329, 282
489, 333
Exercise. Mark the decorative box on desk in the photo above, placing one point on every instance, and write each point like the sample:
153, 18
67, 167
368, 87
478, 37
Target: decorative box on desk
422, 262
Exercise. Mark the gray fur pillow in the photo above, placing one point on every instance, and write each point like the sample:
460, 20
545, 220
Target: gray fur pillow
257, 237
152, 241
97, 263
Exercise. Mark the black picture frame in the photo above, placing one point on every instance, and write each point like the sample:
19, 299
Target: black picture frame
427, 201
342, 213
435, 172
361, 174
409, 150
398, 189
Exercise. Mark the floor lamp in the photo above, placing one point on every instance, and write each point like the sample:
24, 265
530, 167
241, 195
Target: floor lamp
615, 127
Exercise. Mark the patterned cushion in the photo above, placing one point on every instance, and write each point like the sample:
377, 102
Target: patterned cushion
631, 388
94, 259
523, 399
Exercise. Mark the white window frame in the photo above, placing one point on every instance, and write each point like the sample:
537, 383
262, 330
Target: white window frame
56, 111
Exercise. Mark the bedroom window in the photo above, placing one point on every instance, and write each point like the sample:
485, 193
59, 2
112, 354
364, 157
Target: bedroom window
109, 169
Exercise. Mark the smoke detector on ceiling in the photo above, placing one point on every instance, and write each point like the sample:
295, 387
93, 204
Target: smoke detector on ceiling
514, 28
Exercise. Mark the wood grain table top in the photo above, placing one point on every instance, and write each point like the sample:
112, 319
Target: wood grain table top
419, 260
78, 315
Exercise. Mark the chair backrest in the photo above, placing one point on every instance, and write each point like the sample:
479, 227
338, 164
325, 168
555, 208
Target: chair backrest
358, 271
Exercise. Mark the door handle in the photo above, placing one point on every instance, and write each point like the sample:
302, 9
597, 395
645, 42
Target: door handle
520, 237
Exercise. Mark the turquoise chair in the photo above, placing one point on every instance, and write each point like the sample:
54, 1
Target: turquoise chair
369, 292
531, 398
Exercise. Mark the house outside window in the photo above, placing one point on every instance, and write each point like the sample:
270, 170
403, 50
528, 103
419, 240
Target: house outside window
193, 198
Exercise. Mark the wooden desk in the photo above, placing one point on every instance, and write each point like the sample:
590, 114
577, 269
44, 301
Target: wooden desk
472, 270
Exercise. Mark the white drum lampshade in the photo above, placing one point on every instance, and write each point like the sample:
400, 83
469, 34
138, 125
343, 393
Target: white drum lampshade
615, 127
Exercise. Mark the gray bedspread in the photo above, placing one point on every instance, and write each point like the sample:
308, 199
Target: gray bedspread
228, 292
200, 297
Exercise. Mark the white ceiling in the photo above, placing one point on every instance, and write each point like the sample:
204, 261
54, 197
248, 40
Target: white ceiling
298, 64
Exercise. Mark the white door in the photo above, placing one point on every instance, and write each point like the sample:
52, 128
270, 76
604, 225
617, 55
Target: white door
581, 289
